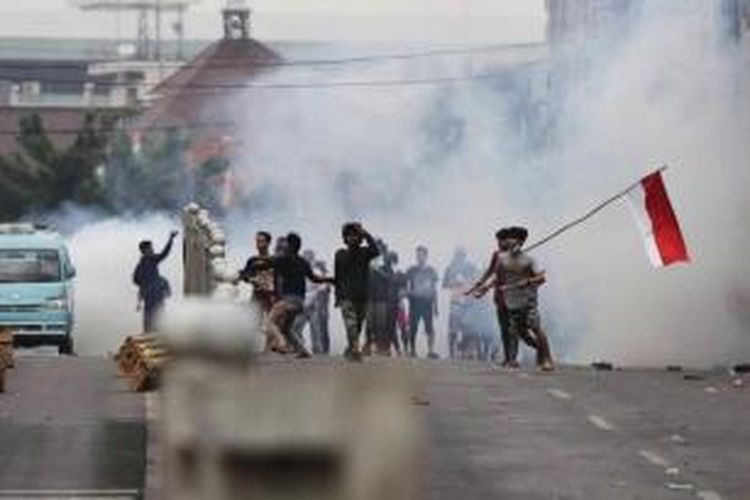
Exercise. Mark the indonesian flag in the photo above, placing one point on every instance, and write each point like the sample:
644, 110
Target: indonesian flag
657, 221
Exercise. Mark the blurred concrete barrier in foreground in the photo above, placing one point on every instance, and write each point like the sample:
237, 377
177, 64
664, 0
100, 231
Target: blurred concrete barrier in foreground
238, 427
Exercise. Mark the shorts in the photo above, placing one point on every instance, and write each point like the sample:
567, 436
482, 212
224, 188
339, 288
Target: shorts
522, 320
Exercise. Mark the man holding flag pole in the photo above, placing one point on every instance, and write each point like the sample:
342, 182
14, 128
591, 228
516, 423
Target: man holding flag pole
516, 279
515, 276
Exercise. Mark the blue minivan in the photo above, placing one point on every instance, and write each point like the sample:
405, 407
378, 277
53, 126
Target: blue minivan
36, 287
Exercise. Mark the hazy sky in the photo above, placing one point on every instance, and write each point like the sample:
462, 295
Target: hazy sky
382, 20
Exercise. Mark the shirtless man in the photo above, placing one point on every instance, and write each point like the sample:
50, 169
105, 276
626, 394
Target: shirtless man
516, 280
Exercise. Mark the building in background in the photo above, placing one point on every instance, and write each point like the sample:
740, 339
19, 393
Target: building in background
735, 15
61, 92
577, 20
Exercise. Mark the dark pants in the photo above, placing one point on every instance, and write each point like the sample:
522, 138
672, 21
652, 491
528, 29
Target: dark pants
420, 309
151, 310
325, 338
378, 326
354, 315
508, 338
318, 320
392, 324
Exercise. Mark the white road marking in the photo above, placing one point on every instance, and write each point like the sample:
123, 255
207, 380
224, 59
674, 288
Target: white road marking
708, 495
524, 375
676, 438
680, 486
711, 390
559, 394
654, 458
600, 423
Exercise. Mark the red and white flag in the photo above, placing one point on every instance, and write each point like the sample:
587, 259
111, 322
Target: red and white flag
657, 221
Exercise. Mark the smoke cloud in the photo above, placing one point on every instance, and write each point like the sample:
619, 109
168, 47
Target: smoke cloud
447, 164
105, 253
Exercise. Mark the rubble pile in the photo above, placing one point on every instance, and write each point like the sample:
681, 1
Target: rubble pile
140, 361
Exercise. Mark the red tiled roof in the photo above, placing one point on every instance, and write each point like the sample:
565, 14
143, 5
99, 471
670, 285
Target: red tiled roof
186, 102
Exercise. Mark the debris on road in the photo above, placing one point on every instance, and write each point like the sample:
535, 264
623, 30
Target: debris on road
674, 368
676, 438
603, 366
693, 376
141, 360
420, 401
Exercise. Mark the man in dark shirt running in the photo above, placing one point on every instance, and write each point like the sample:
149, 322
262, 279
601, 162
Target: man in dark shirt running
153, 289
351, 270
291, 271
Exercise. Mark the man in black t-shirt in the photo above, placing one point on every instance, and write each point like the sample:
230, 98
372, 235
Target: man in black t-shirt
352, 269
290, 271
253, 272
258, 273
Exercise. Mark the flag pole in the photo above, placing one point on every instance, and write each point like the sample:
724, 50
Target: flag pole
601, 206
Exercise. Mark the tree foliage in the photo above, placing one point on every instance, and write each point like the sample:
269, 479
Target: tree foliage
159, 176
101, 168
41, 177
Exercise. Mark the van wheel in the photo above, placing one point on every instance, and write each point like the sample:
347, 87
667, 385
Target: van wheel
66, 347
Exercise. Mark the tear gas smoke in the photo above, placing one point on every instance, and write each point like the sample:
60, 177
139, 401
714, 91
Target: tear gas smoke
674, 92
446, 165
105, 254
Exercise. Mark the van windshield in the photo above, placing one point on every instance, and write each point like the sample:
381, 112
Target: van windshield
29, 266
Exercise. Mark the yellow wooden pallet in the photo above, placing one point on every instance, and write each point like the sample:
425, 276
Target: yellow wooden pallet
141, 359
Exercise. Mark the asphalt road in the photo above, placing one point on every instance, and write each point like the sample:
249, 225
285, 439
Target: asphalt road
583, 434
69, 424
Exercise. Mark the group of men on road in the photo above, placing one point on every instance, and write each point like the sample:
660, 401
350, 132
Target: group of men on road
292, 290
